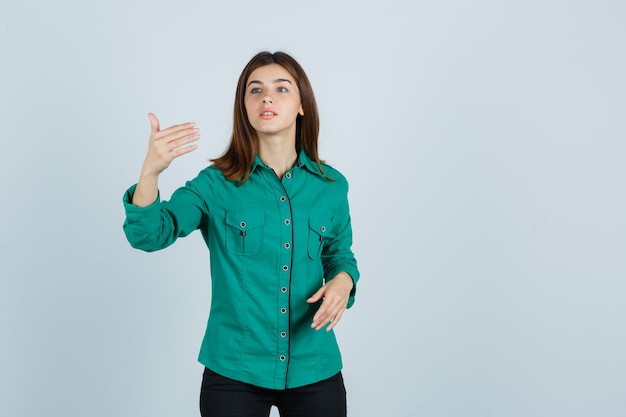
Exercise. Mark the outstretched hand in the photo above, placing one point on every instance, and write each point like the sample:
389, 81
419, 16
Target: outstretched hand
167, 144
164, 146
335, 294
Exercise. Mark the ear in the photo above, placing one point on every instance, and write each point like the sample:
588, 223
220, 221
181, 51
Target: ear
301, 111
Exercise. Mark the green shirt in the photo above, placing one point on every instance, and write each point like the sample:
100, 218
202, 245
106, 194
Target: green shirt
272, 244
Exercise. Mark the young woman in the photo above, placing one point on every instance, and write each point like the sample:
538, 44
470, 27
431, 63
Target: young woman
277, 225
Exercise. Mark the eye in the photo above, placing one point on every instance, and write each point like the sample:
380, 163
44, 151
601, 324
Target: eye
255, 90
282, 90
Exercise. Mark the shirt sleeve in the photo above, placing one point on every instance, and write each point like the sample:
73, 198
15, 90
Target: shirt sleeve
158, 225
337, 255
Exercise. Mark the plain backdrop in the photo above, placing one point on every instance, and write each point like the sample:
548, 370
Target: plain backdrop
485, 145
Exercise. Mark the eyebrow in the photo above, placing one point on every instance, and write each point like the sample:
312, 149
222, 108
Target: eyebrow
276, 81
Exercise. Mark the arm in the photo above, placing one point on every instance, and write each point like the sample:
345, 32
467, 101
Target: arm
340, 270
151, 225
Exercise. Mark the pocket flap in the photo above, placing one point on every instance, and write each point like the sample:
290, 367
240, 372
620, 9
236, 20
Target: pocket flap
245, 220
321, 225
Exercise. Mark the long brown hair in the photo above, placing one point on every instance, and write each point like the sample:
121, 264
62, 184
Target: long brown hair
238, 158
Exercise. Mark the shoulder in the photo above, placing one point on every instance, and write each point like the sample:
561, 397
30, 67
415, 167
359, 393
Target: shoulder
210, 173
209, 177
335, 175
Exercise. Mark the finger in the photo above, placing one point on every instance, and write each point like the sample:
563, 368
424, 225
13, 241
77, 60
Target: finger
169, 142
331, 310
323, 321
324, 314
318, 318
179, 130
335, 320
183, 150
154, 123
336, 317
166, 151
317, 296
180, 142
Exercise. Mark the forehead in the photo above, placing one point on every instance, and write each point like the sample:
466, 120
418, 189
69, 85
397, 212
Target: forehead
269, 73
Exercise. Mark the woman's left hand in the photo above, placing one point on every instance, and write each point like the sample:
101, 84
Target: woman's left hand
335, 294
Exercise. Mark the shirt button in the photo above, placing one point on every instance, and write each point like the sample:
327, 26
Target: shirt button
242, 224
288, 175
283, 334
287, 245
323, 229
283, 289
285, 268
283, 310
287, 222
283, 199
282, 358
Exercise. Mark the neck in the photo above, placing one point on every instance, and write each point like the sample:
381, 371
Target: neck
278, 153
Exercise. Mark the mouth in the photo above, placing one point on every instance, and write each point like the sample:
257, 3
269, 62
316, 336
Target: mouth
268, 114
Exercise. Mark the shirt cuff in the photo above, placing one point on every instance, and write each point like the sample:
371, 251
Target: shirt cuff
136, 214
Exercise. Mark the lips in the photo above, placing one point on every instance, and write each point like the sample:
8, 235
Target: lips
268, 114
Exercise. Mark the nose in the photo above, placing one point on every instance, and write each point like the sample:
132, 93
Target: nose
268, 99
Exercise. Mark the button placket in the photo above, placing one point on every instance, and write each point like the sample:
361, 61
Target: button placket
284, 266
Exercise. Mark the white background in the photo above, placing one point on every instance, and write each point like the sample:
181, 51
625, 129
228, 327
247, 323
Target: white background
484, 142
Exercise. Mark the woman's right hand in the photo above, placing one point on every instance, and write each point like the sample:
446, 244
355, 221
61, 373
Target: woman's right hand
167, 144
164, 146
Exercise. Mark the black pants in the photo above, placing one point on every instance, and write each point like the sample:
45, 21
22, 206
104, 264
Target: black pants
224, 397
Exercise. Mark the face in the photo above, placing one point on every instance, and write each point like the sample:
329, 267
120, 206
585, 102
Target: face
272, 101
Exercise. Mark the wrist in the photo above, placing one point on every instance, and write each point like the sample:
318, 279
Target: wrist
345, 279
149, 173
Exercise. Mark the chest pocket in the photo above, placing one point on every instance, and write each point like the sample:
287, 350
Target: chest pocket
244, 231
319, 230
